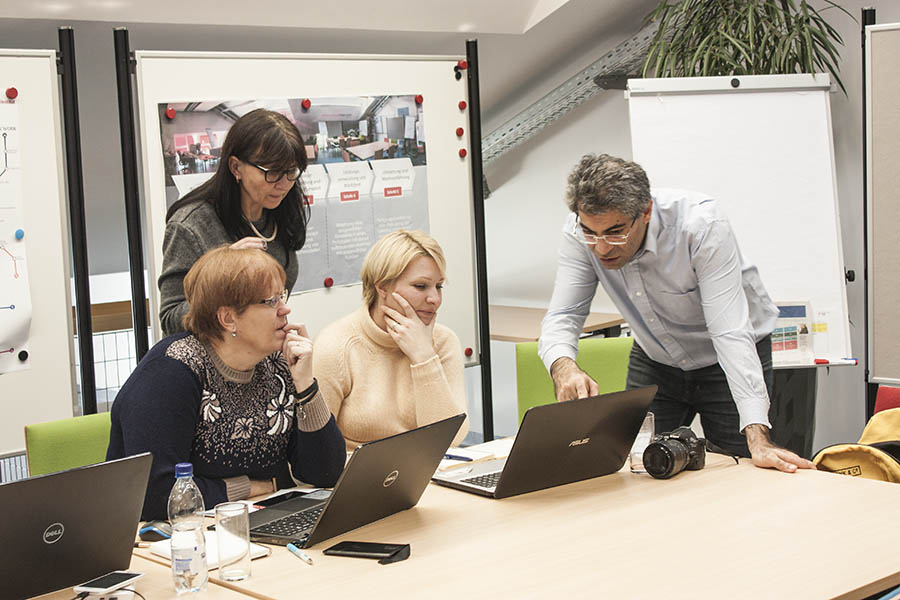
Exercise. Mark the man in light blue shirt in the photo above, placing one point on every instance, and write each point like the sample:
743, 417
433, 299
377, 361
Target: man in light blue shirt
700, 315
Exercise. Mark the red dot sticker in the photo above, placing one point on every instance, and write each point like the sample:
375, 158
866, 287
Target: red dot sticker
459, 132
420, 99
462, 152
469, 352
462, 105
306, 104
462, 64
328, 282
12, 93
170, 113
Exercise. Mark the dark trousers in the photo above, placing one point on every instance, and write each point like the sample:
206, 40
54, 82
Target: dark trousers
683, 394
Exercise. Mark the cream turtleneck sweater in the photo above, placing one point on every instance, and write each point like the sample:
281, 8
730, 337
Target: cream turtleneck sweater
372, 388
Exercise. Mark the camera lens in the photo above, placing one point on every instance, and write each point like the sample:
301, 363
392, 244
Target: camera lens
665, 458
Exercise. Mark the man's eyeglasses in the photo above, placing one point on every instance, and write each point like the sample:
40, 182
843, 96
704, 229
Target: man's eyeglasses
613, 239
273, 301
274, 176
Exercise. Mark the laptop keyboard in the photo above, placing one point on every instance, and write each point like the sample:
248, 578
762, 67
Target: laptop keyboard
486, 481
291, 525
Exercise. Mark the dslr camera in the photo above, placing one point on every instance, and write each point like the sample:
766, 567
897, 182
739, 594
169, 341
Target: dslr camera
669, 453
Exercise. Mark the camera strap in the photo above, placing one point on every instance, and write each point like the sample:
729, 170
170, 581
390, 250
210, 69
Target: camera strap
710, 447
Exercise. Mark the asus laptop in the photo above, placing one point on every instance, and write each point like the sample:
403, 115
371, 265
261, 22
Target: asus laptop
381, 478
62, 529
560, 443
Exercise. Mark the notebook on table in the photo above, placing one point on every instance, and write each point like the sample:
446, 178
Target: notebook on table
560, 443
381, 478
65, 528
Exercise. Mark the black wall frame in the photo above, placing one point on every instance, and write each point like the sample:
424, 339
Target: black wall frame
75, 185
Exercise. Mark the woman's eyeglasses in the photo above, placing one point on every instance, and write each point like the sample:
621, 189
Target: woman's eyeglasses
274, 175
273, 301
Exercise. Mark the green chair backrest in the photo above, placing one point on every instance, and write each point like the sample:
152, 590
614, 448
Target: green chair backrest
604, 359
66, 444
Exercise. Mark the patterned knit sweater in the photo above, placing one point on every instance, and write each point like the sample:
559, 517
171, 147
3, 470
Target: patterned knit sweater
183, 404
372, 388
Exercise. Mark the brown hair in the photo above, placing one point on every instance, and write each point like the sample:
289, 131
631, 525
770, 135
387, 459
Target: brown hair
226, 277
390, 256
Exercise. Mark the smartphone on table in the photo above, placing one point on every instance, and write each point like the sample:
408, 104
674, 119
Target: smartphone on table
109, 582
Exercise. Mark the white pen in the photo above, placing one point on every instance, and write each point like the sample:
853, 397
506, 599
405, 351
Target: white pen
300, 553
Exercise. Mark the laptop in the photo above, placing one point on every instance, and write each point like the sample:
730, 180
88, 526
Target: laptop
381, 478
560, 443
65, 528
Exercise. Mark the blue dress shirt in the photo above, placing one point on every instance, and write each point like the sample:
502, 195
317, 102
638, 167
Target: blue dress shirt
689, 296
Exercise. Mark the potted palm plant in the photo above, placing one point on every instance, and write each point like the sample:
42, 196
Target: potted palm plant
742, 37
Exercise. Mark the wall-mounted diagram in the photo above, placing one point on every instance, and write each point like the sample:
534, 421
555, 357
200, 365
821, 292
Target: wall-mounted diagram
15, 296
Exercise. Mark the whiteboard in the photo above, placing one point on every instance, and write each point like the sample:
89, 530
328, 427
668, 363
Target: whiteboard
46, 390
883, 197
174, 76
764, 150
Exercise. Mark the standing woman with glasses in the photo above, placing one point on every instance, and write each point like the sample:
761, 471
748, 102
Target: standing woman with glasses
234, 395
254, 200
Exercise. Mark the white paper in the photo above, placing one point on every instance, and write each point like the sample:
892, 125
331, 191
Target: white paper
15, 295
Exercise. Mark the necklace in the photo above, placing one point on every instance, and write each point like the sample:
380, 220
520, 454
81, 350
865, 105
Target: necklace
258, 234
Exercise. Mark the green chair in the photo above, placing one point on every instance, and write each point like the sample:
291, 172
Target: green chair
67, 443
604, 359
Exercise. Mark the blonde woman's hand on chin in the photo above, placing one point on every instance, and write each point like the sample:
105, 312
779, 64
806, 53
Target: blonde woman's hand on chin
414, 338
298, 352
249, 242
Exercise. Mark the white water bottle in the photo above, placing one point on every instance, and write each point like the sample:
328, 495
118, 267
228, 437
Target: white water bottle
188, 544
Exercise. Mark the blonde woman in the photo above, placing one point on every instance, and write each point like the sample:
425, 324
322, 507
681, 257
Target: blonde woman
389, 367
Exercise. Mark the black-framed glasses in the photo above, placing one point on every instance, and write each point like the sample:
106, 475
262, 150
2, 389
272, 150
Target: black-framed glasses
273, 301
613, 239
275, 175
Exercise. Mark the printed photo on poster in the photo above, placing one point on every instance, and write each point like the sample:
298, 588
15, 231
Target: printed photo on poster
366, 173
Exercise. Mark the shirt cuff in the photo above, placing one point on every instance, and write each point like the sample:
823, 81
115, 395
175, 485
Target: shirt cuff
237, 488
555, 352
314, 415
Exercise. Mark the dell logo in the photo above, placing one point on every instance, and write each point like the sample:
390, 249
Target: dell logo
54, 533
391, 478
579, 442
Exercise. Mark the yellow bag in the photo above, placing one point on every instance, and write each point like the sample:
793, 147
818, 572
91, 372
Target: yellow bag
876, 456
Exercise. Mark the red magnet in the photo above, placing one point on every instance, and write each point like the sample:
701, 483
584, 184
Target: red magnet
469, 352
170, 113
462, 105
459, 132
419, 98
306, 104
462, 64
462, 152
12, 93
328, 282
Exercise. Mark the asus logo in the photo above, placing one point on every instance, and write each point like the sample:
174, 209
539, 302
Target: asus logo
579, 442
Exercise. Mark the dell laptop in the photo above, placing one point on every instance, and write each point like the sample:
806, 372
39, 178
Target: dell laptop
381, 478
62, 529
560, 443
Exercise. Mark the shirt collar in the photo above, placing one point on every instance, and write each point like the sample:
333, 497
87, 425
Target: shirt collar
652, 234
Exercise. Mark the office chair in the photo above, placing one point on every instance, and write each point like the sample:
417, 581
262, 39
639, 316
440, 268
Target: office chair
886, 397
67, 443
604, 359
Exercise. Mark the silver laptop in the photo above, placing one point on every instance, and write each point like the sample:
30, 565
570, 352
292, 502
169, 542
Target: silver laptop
560, 443
65, 528
381, 478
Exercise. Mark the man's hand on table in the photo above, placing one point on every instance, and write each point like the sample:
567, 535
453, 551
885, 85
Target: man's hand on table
765, 454
570, 382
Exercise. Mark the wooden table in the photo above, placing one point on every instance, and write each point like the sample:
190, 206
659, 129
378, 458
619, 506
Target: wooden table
728, 531
155, 584
365, 151
523, 324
